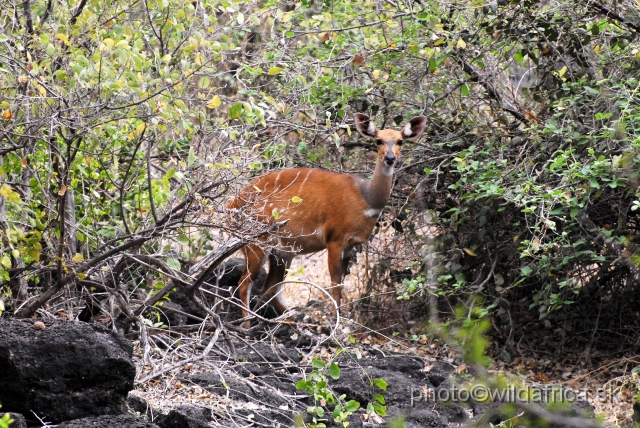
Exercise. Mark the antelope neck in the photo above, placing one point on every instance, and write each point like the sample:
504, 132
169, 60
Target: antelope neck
377, 190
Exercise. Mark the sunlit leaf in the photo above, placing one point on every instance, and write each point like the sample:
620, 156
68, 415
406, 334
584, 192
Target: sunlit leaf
214, 102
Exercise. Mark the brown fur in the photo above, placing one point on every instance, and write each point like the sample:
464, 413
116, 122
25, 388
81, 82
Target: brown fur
335, 212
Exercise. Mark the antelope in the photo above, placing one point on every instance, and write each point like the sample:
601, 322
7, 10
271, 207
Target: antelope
325, 210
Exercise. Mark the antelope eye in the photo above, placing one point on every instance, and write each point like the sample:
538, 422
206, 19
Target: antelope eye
379, 142
399, 143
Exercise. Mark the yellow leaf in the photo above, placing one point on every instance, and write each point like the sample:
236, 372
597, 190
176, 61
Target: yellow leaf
77, 258
461, 44
141, 127
5, 190
214, 102
240, 18
376, 73
274, 70
257, 189
62, 37
41, 90
275, 214
7, 114
562, 71
468, 251
296, 199
108, 42
6, 261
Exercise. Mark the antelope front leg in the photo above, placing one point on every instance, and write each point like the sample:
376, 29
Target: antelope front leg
254, 259
335, 255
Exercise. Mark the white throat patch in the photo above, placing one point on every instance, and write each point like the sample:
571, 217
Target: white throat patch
387, 170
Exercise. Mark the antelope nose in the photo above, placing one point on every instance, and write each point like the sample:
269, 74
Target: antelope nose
389, 159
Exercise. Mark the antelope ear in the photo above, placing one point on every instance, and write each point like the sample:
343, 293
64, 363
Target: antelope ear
365, 126
414, 127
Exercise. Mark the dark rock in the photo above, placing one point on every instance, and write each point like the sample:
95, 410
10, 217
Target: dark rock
439, 372
248, 390
424, 418
108, 421
139, 405
555, 399
185, 417
405, 380
66, 371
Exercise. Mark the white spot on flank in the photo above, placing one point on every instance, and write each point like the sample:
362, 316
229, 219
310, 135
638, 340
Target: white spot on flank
387, 170
372, 212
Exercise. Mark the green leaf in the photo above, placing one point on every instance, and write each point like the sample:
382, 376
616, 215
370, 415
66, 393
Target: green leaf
518, 56
380, 409
301, 384
173, 263
526, 270
316, 363
574, 212
352, 406
204, 82
334, 370
274, 70
289, 33
381, 383
464, 90
379, 398
191, 158
235, 111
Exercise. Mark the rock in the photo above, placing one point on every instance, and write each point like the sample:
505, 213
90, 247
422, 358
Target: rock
405, 379
185, 416
140, 406
67, 371
108, 421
